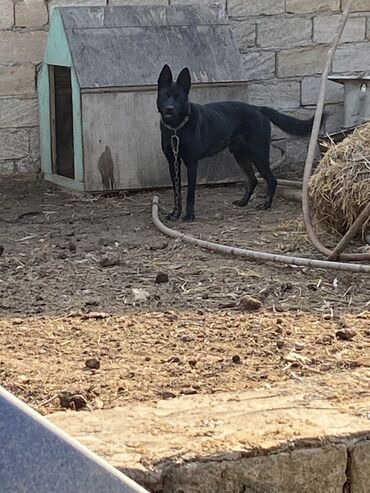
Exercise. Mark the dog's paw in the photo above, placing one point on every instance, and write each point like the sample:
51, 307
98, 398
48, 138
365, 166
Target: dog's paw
263, 207
173, 216
240, 203
189, 217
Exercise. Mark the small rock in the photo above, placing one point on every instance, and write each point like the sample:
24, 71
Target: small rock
325, 367
62, 256
105, 241
1, 250
95, 316
17, 321
327, 316
72, 246
187, 338
188, 391
91, 303
192, 362
92, 364
345, 334
280, 344
367, 333
167, 395
159, 246
140, 294
236, 359
174, 359
109, 260
161, 278
249, 304
299, 346
325, 339
69, 400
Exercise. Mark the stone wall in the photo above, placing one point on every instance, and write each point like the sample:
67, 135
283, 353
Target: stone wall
283, 44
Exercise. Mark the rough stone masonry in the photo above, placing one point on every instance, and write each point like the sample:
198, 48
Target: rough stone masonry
283, 45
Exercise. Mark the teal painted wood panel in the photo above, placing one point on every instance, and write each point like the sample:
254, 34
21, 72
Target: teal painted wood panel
57, 51
43, 89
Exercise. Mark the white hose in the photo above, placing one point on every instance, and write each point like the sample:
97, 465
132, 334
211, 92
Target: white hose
252, 254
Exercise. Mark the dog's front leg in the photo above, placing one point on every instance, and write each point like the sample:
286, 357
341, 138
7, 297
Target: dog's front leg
192, 168
176, 184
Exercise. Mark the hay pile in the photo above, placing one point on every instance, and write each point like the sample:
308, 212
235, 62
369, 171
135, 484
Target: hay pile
340, 187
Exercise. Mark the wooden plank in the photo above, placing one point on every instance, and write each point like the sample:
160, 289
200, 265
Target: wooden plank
129, 125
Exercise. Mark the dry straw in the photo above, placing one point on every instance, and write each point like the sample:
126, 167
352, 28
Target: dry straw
340, 187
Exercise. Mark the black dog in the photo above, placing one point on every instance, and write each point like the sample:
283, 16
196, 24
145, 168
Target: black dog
191, 132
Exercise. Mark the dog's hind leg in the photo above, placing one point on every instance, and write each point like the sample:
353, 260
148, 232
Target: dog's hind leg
261, 159
240, 153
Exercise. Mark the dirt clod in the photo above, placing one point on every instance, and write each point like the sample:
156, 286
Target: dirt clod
167, 395
69, 400
92, 363
161, 278
249, 304
345, 334
236, 359
109, 260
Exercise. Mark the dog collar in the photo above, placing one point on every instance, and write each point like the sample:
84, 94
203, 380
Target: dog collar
179, 127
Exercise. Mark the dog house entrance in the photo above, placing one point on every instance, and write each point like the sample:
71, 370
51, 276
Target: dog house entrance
62, 121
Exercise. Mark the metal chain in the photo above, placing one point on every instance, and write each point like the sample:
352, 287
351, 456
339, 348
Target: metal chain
175, 145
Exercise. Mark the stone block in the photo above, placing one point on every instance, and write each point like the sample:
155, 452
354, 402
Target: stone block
360, 467
244, 8
27, 165
301, 61
22, 46
6, 14
245, 34
16, 113
275, 93
14, 144
17, 79
34, 137
325, 26
357, 5
36, 457
308, 6
31, 13
284, 32
259, 65
310, 91
352, 58
301, 471
7, 168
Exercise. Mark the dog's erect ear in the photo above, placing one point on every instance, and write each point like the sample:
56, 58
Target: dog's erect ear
184, 80
165, 77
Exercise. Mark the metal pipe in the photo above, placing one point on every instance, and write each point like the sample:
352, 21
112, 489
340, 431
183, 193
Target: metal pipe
252, 254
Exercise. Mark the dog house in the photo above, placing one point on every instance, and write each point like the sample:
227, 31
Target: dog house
356, 98
97, 91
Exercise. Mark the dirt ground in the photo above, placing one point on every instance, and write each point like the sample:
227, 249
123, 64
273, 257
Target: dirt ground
90, 278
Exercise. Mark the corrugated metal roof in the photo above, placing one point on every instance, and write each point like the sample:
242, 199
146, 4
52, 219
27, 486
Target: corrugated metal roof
128, 45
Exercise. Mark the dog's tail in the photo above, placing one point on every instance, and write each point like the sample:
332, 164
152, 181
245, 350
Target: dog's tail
289, 124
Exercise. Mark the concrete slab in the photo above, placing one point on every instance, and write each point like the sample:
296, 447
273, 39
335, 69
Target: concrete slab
289, 439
